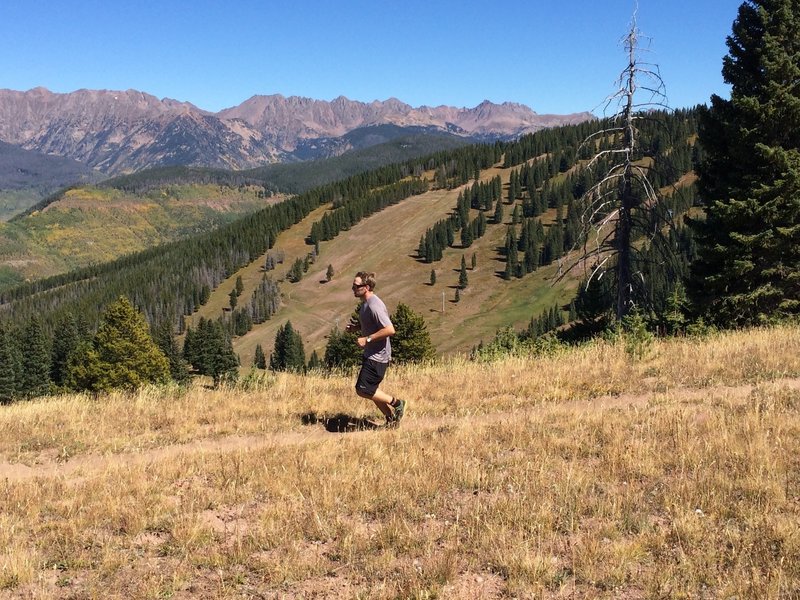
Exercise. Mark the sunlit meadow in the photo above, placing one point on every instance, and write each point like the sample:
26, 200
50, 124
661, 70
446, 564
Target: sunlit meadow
583, 473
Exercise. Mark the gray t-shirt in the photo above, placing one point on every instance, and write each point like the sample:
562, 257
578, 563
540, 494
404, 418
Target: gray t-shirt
373, 316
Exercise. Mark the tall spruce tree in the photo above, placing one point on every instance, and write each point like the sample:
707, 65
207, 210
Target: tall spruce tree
463, 280
219, 359
8, 375
314, 363
288, 354
467, 236
164, 338
260, 359
498, 213
35, 379
748, 266
65, 341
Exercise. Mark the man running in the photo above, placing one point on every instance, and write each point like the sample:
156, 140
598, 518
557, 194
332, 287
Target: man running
375, 328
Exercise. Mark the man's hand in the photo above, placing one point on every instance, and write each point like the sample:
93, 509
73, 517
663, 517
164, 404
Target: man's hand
362, 342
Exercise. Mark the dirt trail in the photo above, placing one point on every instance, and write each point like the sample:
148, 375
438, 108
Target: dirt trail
79, 467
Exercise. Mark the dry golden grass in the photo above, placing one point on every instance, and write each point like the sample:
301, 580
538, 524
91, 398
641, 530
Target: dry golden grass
581, 475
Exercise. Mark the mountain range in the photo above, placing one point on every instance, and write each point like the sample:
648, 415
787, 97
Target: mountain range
118, 132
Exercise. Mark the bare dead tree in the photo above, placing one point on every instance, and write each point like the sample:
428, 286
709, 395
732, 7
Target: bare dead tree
623, 190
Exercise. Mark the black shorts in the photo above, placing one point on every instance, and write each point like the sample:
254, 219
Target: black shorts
370, 376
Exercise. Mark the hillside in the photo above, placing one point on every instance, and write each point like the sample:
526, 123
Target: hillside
26, 177
374, 220
90, 225
581, 474
94, 224
386, 243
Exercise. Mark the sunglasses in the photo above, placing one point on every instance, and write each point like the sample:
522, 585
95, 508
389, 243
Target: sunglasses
355, 287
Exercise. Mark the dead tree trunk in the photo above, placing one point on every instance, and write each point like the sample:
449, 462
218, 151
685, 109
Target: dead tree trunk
627, 198
612, 204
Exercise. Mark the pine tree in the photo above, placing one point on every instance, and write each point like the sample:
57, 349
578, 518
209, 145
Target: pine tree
205, 294
260, 359
296, 272
509, 270
341, 351
433, 277
463, 281
314, 363
466, 236
480, 228
242, 322
411, 341
219, 360
288, 354
83, 367
165, 340
191, 347
516, 215
450, 233
675, 313
498, 213
65, 341
441, 177
8, 384
35, 379
329, 273
748, 266
122, 353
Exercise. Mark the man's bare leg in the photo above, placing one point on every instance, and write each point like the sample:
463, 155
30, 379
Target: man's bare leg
382, 400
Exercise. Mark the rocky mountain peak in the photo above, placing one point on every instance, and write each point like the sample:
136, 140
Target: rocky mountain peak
119, 131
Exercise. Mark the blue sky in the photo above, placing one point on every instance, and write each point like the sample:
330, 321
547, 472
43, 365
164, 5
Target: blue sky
554, 56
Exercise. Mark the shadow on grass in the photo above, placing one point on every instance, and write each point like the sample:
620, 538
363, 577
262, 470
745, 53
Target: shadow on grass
340, 423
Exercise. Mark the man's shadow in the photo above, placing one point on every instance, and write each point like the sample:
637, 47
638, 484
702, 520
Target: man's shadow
340, 423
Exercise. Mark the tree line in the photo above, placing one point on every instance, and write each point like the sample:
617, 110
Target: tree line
410, 344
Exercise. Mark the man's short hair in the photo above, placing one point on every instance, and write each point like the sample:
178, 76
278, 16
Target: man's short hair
367, 279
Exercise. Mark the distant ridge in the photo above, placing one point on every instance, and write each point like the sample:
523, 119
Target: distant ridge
293, 118
126, 131
20, 169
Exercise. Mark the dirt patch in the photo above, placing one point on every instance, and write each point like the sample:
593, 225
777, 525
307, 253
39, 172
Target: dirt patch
475, 585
